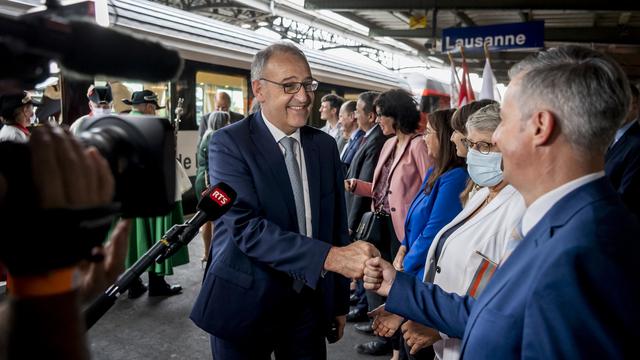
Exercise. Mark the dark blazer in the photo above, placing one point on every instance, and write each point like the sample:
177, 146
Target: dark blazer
202, 125
362, 167
622, 165
257, 252
568, 291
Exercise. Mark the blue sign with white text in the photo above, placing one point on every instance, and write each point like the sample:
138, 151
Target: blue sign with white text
524, 35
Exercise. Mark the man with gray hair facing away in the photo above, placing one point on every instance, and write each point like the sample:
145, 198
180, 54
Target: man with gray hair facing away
278, 280
567, 286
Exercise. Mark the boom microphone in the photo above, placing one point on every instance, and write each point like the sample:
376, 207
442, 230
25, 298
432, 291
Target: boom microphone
216, 201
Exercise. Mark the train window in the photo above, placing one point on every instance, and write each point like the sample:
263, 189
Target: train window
209, 83
122, 90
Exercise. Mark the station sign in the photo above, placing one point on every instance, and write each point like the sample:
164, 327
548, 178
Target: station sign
515, 36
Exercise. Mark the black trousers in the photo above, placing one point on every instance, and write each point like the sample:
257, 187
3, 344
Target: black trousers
388, 248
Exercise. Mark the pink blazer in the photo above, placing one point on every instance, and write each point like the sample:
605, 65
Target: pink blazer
407, 173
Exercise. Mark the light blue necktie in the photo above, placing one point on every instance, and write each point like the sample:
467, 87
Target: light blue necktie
296, 186
296, 181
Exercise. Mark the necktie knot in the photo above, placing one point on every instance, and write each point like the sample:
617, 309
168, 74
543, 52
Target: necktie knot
289, 144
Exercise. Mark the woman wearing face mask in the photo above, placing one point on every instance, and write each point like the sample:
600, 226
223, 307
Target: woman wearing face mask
16, 112
458, 123
482, 234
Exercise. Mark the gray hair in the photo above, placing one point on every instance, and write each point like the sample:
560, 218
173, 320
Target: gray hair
262, 57
485, 119
217, 120
586, 90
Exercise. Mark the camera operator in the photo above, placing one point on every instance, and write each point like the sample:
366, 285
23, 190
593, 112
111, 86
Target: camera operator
147, 231
42, 313
16, 111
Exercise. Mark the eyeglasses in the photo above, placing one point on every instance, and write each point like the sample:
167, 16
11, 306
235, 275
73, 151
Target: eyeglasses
482, 146
294, 87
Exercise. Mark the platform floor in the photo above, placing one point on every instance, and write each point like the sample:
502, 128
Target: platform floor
159, 328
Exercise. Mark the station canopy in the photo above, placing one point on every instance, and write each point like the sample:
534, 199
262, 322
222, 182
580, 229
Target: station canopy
416, 26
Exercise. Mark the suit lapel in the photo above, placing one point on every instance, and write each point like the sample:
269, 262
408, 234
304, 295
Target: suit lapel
273, 161
312, 160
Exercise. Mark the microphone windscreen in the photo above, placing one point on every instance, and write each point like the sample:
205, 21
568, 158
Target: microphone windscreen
217, 200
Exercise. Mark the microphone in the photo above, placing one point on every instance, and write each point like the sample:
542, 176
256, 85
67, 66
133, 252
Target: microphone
216, 201
86, 48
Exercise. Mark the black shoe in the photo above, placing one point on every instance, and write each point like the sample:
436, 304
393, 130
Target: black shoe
165, 290
357, 315
159, 287
353, 299
375, 348
364, 328
136, 289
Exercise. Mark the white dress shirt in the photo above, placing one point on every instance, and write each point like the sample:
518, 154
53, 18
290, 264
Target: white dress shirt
544, 203
299, 153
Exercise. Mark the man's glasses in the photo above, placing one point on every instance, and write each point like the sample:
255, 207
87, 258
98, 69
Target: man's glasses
294, 87
482, 146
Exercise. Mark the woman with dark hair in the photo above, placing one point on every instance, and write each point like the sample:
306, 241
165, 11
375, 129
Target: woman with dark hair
437, 201
458, 123
401, 167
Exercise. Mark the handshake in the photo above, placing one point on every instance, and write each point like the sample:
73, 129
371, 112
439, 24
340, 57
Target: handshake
361, 260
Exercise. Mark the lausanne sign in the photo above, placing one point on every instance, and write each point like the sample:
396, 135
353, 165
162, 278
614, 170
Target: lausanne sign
516, 36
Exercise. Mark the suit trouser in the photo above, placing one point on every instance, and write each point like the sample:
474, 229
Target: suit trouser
302, 337
388, 249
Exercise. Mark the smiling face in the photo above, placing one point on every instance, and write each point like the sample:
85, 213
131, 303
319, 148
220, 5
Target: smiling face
456, 139
431, 139
288, 112
386, 124
325, 110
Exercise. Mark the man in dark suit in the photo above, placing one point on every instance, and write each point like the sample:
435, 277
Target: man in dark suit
222, 102
277, 281
366, 158
623, 157
569, 290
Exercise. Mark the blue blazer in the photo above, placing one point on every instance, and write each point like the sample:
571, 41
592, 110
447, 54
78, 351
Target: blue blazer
257, 251
428, 214
623, 167
568, 291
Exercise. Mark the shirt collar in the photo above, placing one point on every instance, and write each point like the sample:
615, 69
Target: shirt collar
277, 133
371, 130
544, 203
623, 130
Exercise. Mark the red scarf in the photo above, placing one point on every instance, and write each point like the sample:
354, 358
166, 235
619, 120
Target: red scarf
22, 128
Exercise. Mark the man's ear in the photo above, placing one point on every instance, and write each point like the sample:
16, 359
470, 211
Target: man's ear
543, 125
256, 86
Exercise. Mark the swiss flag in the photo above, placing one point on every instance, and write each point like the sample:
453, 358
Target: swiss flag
466, 91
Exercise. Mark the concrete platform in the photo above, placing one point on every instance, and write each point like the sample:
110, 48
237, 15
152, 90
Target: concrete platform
159, 328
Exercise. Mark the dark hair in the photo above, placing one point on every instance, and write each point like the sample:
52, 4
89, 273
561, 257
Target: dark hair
334, 101
350, 106
368, 97
447, 158
399, 105
460, 117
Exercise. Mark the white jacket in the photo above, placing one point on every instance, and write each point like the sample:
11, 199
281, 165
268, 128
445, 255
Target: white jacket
486, 232
12, 133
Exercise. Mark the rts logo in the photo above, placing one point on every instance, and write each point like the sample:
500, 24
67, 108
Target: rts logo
219, 197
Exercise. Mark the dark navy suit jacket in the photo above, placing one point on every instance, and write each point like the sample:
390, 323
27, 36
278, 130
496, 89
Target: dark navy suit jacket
623, 167
257, 251
568, 291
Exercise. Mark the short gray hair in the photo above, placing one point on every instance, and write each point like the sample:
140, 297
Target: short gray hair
586, 90
262, 57
485, 119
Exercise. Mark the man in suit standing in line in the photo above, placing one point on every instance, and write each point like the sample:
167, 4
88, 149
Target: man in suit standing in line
623, 157
569, 289
278, 275
351, 132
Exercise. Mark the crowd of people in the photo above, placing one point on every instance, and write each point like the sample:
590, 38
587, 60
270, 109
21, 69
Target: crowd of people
488, 231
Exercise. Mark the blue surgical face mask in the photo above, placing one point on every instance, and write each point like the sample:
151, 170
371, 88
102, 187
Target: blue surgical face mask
484, 169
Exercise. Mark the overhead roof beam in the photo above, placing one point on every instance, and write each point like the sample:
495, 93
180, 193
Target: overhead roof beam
342, 5
464, 18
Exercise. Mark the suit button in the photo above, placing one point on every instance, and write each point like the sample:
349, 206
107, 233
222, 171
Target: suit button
438, 269
393, 209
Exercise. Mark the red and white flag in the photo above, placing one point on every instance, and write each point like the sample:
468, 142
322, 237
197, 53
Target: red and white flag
454, 85
466, 91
